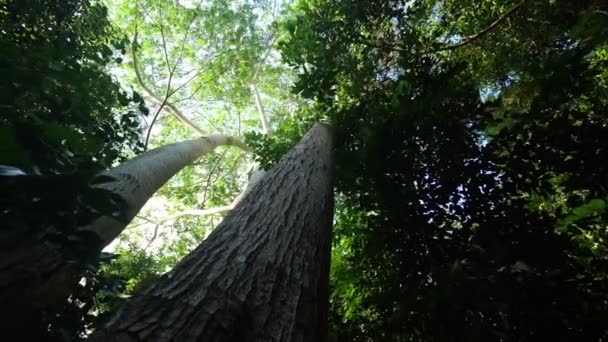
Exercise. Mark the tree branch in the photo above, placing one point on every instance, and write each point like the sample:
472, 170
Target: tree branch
260, 107
171, 108
468, 39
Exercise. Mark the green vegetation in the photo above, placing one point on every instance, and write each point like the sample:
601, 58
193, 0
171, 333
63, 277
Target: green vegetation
471, 147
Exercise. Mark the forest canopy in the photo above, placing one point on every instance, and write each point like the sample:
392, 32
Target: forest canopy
470, 150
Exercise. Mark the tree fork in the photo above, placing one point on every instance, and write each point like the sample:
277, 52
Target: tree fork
262, 274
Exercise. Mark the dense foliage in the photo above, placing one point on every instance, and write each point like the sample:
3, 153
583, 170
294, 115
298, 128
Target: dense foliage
60, 110
471, 149
63, 117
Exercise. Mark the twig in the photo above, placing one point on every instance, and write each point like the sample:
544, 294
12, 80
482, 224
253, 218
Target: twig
193, 212
154, 118
203, 212
260, 107
256, 93
163, 39
466, 40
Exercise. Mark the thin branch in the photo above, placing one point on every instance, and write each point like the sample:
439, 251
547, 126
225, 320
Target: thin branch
258, 103
239, 122
254, 179
263, 60
203, 212
162, 102
232, 167
171, 108
154, 118
198, 73
181, 50
145, 121
193, 212
143, 218
469, 39
466, 40
160, 108
213, 168
146, 12
254, 88
164, 41
153, 236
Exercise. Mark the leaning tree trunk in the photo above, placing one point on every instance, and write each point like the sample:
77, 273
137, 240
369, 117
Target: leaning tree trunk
138, 179
36, 274
262, 275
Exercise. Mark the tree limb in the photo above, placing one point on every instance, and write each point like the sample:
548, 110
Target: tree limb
255, 92
254, 179
468, 39
260, 107
171, 108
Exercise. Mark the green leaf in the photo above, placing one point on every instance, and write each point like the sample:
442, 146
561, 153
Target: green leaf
592, 207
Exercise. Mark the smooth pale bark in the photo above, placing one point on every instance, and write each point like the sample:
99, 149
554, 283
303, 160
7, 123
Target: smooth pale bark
260, 107
35, 274
262, 274
138, 179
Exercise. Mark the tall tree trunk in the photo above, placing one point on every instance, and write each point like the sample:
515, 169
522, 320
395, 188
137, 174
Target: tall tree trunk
34, 272
262, 275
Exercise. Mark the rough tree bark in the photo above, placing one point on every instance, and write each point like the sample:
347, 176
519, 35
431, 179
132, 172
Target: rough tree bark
262, 275
35, 274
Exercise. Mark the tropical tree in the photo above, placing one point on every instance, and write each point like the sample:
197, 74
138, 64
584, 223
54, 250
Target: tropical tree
226, 78
216, 66
133, 182
469, 204
262, 274
129, 181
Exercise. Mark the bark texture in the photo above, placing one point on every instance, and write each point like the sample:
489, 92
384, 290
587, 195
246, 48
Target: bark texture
262, 275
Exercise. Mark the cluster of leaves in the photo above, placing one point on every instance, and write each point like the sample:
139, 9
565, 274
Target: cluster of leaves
471, 188
60, 111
